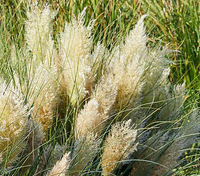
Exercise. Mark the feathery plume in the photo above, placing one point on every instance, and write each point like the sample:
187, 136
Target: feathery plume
105, 94
155, 76
139, 71
43, 96
135, 42
76, 40
39, 33
42, 83
127, 66
90, 119
61, 166
129, 86
93, 116
49, 157
98, 57
13, 120
118, 145
75, 51
85, 150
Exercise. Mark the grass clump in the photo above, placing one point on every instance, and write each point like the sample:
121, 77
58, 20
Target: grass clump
92, 108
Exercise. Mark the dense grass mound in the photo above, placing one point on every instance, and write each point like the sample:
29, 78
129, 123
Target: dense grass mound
80, 99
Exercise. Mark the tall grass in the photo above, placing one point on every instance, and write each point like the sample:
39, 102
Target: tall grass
174, 22
177, 22
96, 94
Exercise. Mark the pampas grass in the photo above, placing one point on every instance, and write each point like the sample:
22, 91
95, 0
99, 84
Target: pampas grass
61, 166
118, 145
13, 123
86, 109
75, 48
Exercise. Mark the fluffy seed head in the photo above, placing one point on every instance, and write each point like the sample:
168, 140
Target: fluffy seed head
39, 33
137, 69
78, 79
43, 96
135, 42
155, 89
76, 40
90, 120
105, 94
75, 51
129, 87
93, 116
128, 78
98, 57
128, 66
61, 166
118, 145
13, 119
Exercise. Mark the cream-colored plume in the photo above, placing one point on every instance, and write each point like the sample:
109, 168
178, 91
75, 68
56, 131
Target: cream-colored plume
75, 48
90, 119
38, 34
13, 120
93, 116
118, 145
43, 96
61, 167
